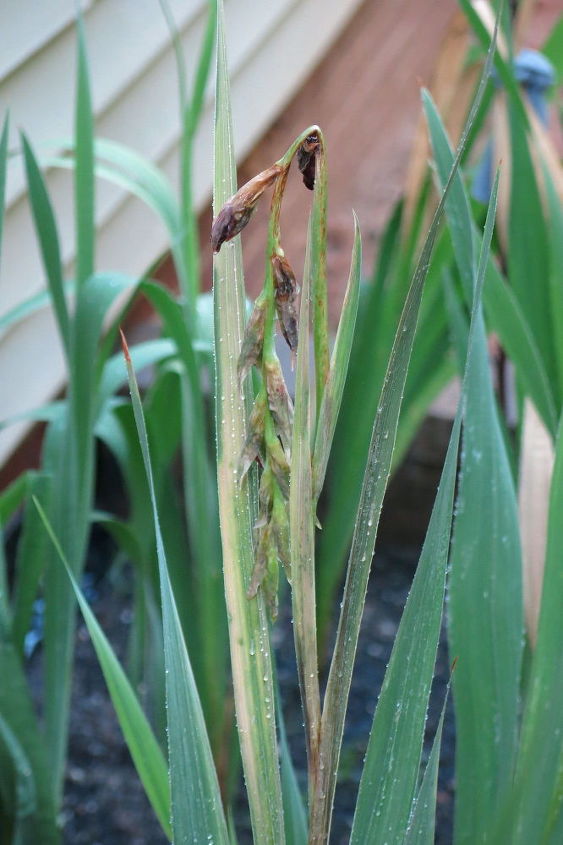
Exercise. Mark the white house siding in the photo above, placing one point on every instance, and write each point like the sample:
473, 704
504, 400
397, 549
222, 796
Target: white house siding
273, 45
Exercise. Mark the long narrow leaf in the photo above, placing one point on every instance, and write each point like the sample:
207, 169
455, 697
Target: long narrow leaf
528, 250
142, 355
201, 512
24, 799
197, 812
3, 163
485, 606
332, 397
510, 321
393, 758
486, 624
68, 449
84, 176
30, 564
302, 534
248, 624
555, 226
94, 299
68, 455
128, 169
535, 806
31, 305
374, 485
145, 751
293, 810
508, 317
422, 822
378, 318
48, 237
392, 763
191, 117
20, 723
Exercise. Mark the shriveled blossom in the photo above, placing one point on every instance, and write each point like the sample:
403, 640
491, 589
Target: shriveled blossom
285, 290
238, 210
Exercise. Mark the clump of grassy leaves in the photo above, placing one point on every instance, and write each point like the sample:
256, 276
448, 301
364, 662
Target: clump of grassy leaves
272, 460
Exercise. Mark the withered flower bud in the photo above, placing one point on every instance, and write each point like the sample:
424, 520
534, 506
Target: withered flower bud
265, 496
238, 210
306, 155
285, 289
280, 530
253, 340
265, 572
254, 444
279, 465
270, 583
259, 570
284, 278
229, 222
279, 402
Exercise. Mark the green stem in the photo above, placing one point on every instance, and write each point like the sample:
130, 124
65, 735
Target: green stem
302, 544
318, 274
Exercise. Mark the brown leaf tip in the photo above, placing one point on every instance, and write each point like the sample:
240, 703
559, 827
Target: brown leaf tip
124, 346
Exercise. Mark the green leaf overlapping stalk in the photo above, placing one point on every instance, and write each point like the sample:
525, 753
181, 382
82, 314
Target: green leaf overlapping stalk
286, 519
248, 621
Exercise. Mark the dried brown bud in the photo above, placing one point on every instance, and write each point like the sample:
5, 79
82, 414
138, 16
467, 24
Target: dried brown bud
238, 210
279, 402
261, 562
284, 278
254, 444
280, 530
253, 340
272, 539
279, 465
306, 155
265, 573
285, 288
265, 496
229, 222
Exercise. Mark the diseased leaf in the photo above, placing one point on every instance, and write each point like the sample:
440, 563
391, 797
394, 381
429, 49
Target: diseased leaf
248, 622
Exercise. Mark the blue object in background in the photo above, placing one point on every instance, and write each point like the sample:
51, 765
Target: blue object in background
536, 75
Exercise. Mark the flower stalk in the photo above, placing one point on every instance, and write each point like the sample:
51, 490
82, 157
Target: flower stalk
284, 530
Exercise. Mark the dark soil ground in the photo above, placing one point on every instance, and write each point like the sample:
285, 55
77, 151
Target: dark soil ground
104, 802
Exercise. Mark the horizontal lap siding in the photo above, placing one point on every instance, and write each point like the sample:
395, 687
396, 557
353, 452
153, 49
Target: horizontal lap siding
272, 47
